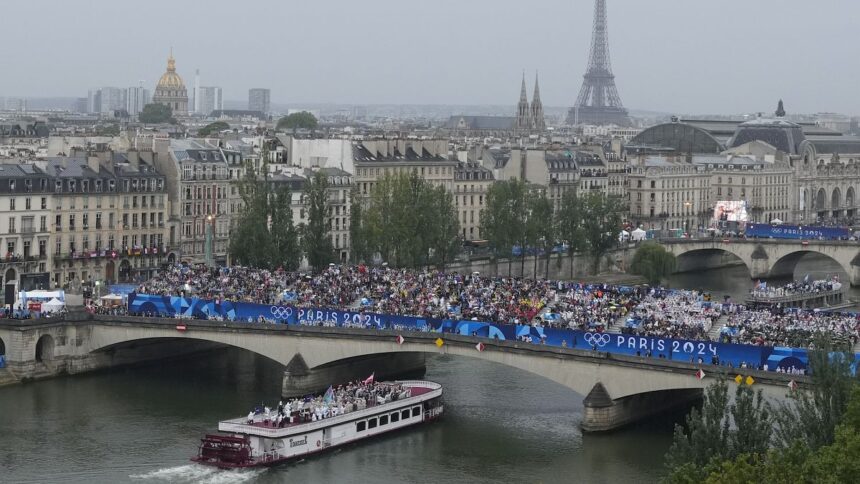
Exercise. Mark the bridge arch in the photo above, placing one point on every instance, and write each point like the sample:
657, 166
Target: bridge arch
44, 348
708, 258
785, 266
318, 347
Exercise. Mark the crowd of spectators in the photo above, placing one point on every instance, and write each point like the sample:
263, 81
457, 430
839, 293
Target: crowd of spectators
433, 294
790, 328
673, 314
763, 291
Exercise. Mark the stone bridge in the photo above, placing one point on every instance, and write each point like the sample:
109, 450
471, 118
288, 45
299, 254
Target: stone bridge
619, 389
764, 258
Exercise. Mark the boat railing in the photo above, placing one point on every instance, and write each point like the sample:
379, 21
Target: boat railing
798, 296
239, 425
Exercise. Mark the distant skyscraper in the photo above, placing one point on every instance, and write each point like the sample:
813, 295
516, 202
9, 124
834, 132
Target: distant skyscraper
15, 104
80, 105
94, 101
136, 99
258, 100
598, 101
211, 99
113, 99
196, 94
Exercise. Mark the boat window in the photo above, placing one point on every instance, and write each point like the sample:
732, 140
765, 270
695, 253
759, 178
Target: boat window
360, 426
371, 424
416, 411
383, 420
405, 414
395, 417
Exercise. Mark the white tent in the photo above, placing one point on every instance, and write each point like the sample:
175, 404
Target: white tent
52, 306
638, 235
623, 236
776, 221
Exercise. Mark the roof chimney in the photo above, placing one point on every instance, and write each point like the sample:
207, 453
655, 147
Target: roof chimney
93, 162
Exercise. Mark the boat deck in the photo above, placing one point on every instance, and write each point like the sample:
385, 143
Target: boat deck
415, 391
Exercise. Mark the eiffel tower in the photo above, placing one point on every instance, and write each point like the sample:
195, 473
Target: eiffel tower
598, 101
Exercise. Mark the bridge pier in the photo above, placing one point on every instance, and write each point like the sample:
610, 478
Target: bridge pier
299, 380
601, 413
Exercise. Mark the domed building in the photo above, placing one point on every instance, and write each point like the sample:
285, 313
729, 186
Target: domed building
171, 91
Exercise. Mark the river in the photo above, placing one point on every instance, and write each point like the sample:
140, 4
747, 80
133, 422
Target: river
501, 425
142, 424
735, 281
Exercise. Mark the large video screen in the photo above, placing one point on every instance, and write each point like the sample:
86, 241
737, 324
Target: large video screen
731, 211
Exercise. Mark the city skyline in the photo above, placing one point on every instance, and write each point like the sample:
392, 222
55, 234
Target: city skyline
671, 56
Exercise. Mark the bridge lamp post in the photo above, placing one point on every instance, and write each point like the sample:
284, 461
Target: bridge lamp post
687, 206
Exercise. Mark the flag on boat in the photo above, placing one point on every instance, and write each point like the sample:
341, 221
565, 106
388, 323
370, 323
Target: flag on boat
369, 380
329, 395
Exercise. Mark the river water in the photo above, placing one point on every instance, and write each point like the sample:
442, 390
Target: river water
500, 425
142, 424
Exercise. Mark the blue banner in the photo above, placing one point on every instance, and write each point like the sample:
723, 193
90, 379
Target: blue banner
708, 352
795, 232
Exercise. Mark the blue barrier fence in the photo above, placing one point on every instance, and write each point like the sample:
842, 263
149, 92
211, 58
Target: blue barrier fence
676, 349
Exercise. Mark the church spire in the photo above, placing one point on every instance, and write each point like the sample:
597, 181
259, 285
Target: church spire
780, 110
536, 117
523, 114
523, 97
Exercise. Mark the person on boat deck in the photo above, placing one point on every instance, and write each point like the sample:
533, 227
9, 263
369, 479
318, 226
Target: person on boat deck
251, 417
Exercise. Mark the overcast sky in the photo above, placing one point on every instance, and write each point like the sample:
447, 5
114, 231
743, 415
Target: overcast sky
682, 56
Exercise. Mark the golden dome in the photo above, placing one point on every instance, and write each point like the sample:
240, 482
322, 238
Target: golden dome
171, 79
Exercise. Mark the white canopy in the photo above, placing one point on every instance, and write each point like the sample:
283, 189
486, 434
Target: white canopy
52, 306
112, 297
776, 221
638, 234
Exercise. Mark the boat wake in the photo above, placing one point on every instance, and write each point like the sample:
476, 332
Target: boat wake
199, 474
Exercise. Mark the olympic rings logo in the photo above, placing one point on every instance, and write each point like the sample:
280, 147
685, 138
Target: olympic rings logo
597, 339
281, 312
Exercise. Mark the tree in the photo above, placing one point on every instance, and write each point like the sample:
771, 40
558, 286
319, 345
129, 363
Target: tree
444, 235
570, 226
300, 120
156, 113
213, 128
358, 241
265, 236
316, 235
836, 463
541, 226
250, 240
812, 414
705, 438
653, 262
504, 218
409, 222
285, 237
601, 221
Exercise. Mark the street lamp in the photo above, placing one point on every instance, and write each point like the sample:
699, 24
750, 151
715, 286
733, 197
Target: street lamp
687, 206
208, 249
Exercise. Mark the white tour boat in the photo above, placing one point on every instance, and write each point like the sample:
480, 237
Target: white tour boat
307, 426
